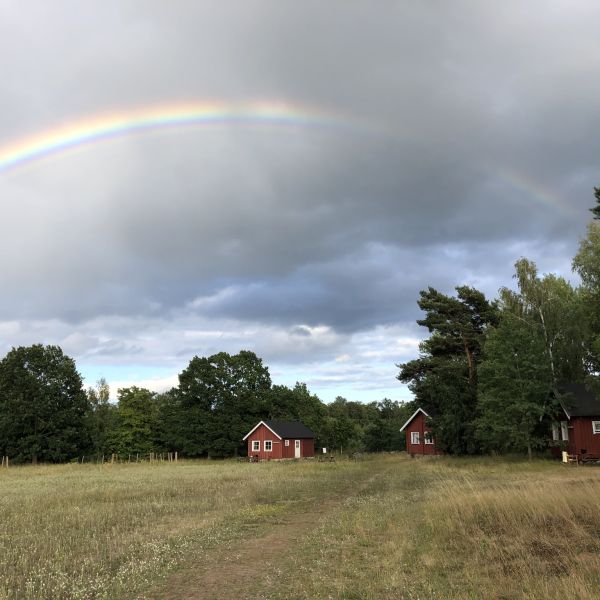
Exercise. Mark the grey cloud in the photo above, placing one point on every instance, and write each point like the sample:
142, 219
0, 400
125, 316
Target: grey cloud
466, 142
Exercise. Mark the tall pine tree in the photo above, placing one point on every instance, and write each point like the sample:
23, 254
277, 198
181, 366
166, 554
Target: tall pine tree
444, 377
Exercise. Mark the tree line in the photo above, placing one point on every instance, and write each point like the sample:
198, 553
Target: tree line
489, 374
46, 415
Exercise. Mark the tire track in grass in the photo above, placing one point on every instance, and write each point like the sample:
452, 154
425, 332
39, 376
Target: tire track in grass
230, 571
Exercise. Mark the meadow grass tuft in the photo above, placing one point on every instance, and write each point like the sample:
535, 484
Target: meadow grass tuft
457, 528
111, 531
385, 527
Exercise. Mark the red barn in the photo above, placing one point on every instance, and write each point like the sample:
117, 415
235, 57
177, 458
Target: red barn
280, 439
419, 439
578, 424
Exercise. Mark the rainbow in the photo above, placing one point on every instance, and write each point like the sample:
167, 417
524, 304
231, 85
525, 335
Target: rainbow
102, 127
535, 192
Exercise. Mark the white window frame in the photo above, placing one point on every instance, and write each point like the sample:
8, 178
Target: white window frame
595, 427
564, 431
255, 445
414, 435
428, 438
287, 442
555, 432
270, 448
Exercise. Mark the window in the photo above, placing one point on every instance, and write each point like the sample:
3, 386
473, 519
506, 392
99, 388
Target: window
596, 426
428, 437
287, 442
564, 431
555, 435
414, 437
268, 445
255, 445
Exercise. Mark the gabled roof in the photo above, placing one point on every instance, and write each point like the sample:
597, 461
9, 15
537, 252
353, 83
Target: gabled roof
578, 401
290, 429
413, 416
284, 429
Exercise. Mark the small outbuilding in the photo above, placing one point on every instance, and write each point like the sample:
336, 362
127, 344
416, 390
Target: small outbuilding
280, 439
577, 427
419, 438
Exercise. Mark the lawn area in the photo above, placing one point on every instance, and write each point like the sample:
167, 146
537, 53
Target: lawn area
384, 527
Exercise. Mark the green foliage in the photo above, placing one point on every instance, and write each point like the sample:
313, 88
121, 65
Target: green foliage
297, 404
42, 405
137, 417
339, 431
587, 265
218, 400
101, 419
515, 384
540, 337
558, 311
596, 209
240, 386
444, 377
383, 430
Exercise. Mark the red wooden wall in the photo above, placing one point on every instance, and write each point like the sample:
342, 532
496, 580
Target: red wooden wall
261, 434
582, 439
308, 447
280, 450
418, 424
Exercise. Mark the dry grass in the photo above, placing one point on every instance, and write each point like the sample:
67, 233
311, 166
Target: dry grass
458, 529
112, 531
399, 528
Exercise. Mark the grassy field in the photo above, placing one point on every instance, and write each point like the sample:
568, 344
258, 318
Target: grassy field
384, 527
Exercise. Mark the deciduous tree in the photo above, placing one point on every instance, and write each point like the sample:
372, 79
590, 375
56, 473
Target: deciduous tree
101, 418
42, 405
515, 384
136, 422
556, 309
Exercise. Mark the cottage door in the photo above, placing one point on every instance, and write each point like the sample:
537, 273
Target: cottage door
297, 449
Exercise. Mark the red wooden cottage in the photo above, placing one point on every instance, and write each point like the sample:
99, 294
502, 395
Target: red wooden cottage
419, 439
578, 425
280, 439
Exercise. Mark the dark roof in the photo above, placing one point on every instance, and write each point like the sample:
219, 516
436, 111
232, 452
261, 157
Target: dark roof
290, 429
578, 400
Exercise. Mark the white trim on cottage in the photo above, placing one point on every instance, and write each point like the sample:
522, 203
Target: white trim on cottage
255, 428
413, 416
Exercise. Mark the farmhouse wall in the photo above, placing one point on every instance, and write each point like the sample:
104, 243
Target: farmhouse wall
582, 439
261, 434
418, 425
308, 448
280, 450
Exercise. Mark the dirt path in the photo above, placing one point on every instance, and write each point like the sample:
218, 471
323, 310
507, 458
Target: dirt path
230, 572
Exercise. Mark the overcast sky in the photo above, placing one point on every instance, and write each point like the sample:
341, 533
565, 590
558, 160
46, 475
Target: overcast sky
428, 143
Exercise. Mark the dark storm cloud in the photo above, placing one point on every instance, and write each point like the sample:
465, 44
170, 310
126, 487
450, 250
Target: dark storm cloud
466, 140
